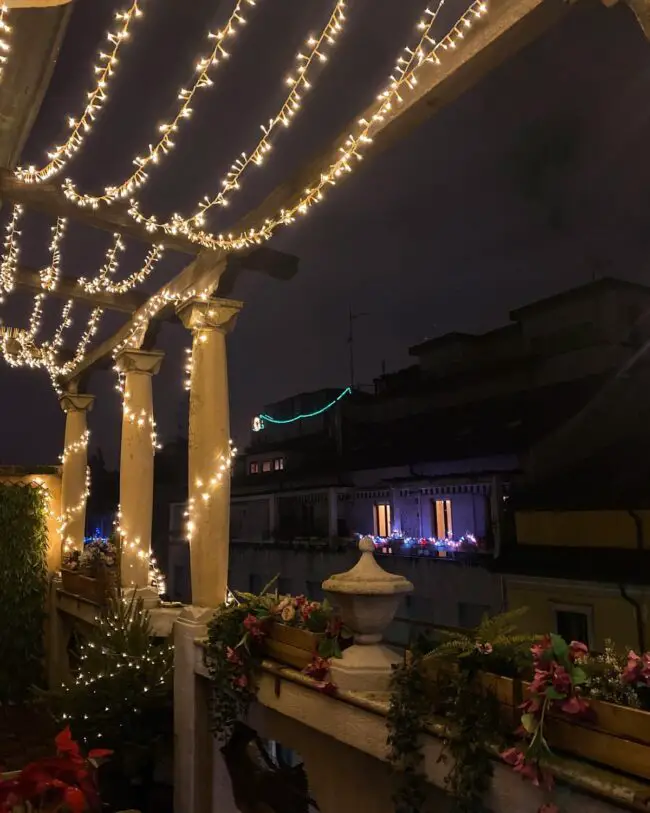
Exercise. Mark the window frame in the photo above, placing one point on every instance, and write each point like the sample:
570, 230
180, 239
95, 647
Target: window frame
583, 609
254, 467
387, 518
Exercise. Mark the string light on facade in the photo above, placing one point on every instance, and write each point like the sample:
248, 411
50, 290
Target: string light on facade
5, 31
187, 369
81, 126
168, 130
207, 489
259, 421
299, 81
401, 83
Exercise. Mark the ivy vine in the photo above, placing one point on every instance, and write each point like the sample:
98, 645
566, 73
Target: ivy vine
23, 587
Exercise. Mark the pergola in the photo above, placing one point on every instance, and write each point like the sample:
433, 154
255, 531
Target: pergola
197, 296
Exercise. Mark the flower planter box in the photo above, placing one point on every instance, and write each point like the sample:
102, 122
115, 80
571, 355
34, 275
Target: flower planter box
291, 645
615, 736
91, 587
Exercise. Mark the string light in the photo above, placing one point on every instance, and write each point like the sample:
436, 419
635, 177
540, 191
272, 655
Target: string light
150, 262
109, 268
207, 488
103, 281
50, 275
401, 82
70, 514
259, 420
81, 127
299, 81
187, 383
11, 251
168, 129
77, 446
5, 31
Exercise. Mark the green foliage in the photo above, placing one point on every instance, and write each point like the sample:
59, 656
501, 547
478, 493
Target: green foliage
476, 723
494, 646
122, 696
23, 587
409, 708
604, 678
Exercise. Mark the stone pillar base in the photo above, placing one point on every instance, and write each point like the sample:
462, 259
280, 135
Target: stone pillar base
149, 596
365, 668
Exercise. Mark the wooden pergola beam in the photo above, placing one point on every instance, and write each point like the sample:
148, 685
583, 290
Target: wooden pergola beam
50, 199
509, 26
276, 264
29, 281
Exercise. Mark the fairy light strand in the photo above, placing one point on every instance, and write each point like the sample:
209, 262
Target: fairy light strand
5, 31
165, 144
80, 127
401, 82
11, 251
75, 447
300, 80
206, 488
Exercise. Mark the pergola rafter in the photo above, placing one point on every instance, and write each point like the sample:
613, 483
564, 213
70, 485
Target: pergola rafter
510, 25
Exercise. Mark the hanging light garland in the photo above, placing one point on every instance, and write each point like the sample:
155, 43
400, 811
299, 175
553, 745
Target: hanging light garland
164, 145
80, 127
401, 82
9, 263
5, 31
76, 446
299, 81
50, 275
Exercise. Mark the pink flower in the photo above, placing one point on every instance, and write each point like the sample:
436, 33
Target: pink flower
300, 600
254, 626
241, 681
561, 680
232, 656
577, 650
540, 682
318, 669
484, 649
541, 647
574, 705
528, 770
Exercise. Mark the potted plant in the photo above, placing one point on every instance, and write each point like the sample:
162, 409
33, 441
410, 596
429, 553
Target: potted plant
91, 573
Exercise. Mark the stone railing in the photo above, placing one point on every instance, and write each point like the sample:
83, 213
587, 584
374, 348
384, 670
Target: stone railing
341, 741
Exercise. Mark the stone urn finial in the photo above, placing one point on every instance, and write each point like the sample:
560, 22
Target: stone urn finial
367, 597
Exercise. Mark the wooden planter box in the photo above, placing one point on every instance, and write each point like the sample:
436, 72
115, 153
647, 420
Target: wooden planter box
93, 588
290, 645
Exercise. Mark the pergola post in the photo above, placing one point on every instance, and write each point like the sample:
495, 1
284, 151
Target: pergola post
136, 468
75, 464
209, 447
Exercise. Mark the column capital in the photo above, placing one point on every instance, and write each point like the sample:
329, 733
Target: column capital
139, 361
210, 314
74, 402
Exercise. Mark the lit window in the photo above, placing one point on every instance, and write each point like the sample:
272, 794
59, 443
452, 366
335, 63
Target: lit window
278, 463
382, 519
442, 527
254, 467
267, 466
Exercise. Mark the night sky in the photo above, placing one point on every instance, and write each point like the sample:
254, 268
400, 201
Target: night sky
535, 181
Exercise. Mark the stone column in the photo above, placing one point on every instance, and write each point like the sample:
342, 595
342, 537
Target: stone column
75, 464
208, 529
136, 468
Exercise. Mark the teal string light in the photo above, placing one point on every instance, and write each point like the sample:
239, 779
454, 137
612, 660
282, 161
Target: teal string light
259, 420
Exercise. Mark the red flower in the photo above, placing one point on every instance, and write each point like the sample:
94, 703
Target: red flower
74, 799
540, 682
528, 770
241, 681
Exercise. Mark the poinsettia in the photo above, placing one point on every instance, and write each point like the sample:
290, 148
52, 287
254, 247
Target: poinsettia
65, 783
